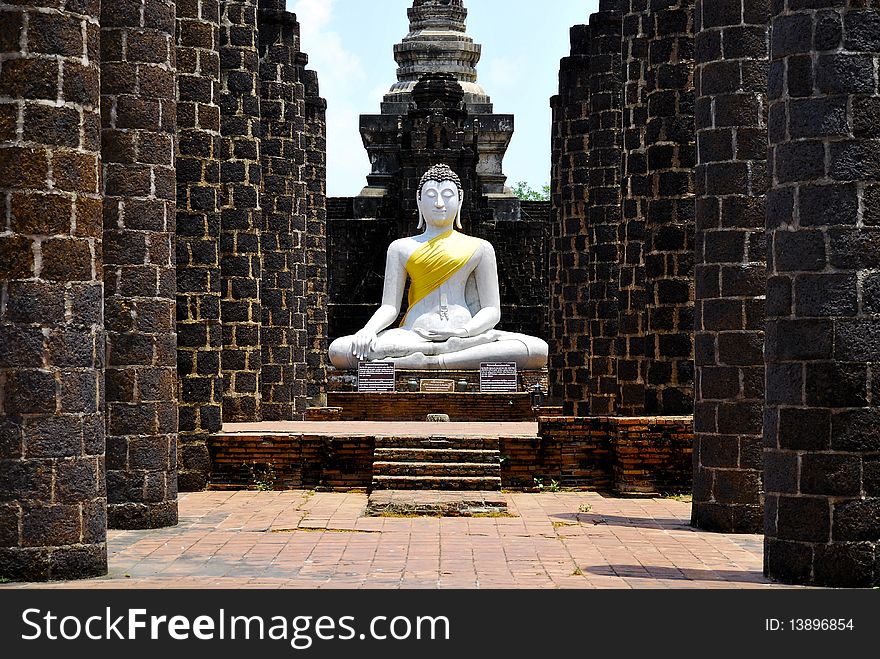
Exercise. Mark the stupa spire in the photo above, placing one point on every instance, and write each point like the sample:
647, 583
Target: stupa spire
437, 43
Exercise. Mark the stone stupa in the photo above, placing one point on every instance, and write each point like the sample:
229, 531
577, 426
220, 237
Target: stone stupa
437, 43
422, 122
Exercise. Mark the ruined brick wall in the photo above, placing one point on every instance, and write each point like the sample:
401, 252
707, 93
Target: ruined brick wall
314, 175
241, 262
629, 215
138, 122
635, 190
669, 210
731, 178
603, 206
53, 502
821, 466
568, 330
283, 241
199, 331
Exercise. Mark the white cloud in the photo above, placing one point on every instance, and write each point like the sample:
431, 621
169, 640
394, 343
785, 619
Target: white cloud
341, 74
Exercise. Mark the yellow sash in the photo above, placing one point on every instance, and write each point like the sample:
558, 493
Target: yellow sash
436, 261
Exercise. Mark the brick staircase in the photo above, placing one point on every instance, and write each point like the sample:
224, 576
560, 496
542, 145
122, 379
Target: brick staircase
436, 463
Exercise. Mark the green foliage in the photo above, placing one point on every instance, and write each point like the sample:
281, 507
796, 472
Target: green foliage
526, 193
540, 486
263, 477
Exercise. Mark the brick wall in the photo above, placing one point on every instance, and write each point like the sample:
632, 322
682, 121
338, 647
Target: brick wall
291, 462
603, 210
635, 188
623, 213
53, 502
731, 178
317, 273
241, 174
568, 332
199, 331
820, 433
138, 124
647, 456
669, 210
283, 293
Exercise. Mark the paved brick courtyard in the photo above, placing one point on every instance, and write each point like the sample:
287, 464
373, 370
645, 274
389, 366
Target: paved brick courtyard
323, 540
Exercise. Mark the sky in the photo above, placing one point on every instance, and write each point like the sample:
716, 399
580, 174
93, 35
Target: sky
350, 44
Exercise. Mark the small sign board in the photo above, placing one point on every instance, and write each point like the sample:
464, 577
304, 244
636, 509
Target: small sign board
498, 377
437, 386
376, 378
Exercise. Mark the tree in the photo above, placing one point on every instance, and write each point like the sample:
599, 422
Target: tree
525, 192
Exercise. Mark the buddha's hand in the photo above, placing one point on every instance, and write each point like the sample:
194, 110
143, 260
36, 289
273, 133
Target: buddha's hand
439, 336
363, 344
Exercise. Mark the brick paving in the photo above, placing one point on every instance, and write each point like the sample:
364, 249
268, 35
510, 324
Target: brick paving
303, 539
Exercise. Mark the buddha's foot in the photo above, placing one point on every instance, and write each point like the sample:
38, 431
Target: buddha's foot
417, 361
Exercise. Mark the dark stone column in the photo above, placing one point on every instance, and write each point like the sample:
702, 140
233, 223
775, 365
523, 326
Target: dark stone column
635, 189
821, 464
603, 211
731, 177
53, 505
199, 333
283, 293
569, 338
138, 115
314, 174
669, 243
241, 212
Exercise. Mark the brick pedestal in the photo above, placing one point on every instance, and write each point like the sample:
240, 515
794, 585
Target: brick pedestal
731, 177
821, 465
53, 503
138, 122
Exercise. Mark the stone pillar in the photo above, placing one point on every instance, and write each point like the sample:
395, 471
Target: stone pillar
314, 174
53, 505
603, 211
569, 338
731, 178
138, 122
199, 333
669, 213
821, 465
283, 293
634, 190
241, 212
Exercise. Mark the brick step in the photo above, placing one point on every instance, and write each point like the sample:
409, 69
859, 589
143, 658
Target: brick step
464, 443
450, 483
479, 469
437, 455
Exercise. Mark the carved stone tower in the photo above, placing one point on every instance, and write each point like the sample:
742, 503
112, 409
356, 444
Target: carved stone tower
437, 112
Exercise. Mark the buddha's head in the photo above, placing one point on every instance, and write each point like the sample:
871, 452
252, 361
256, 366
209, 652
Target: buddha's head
440, 198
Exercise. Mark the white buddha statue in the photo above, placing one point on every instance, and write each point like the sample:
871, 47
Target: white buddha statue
454, 298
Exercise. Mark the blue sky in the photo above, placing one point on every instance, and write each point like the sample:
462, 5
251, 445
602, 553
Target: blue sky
350, 42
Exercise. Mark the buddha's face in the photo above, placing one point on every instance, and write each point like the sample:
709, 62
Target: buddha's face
439, 203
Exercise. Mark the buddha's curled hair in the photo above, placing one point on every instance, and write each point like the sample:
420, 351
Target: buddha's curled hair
441, 173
